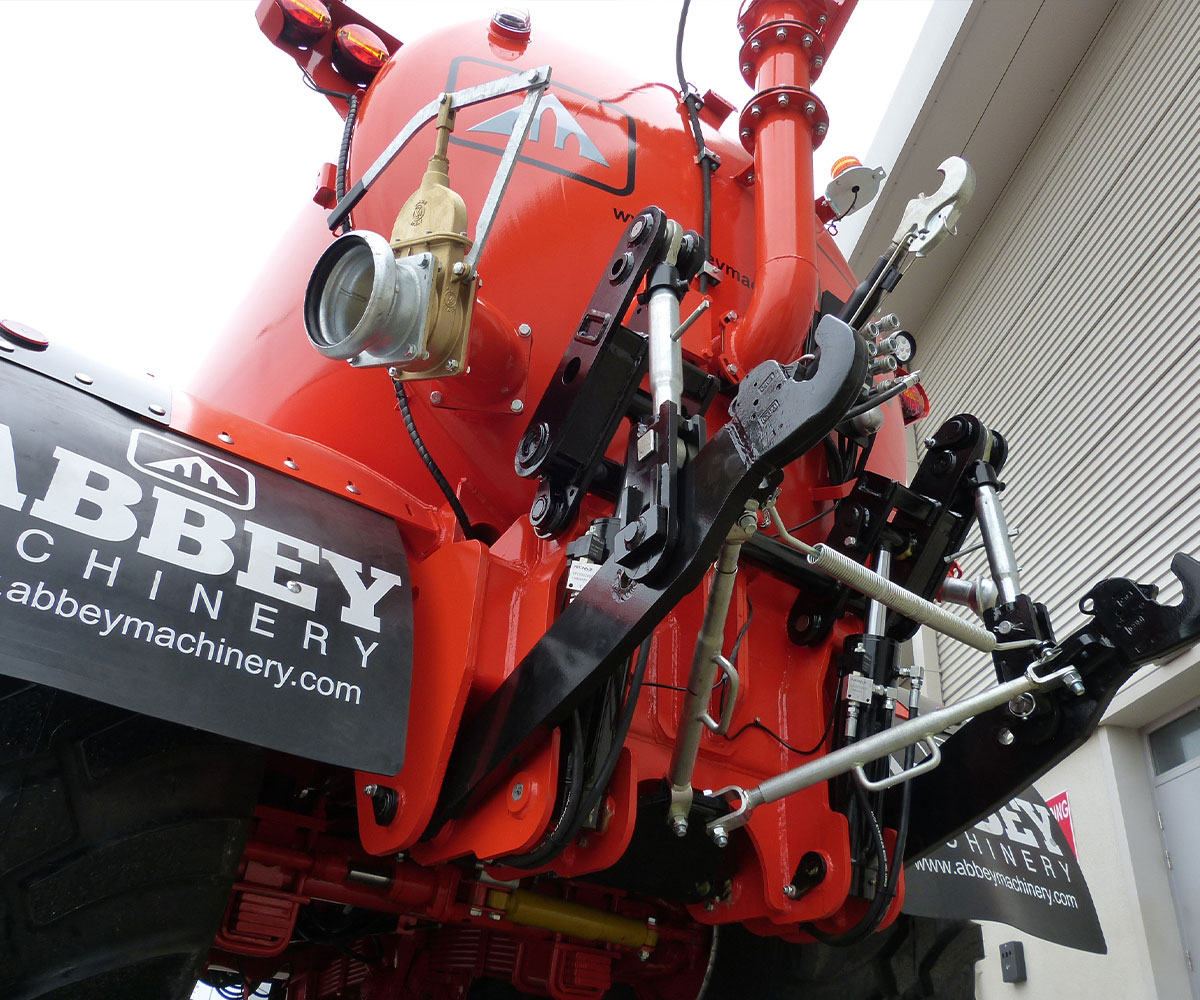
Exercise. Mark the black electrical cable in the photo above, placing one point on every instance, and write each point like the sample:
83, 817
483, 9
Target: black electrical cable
460, 513
313, 85
344, 154
704, 156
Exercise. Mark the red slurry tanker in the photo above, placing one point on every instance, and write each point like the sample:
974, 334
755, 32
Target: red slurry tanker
514, 604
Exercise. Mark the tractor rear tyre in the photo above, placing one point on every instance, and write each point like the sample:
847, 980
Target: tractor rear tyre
916, 958
119, 839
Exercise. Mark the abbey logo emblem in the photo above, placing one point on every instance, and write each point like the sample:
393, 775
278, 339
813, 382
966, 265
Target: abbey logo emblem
573, 133
205, 475
565, 125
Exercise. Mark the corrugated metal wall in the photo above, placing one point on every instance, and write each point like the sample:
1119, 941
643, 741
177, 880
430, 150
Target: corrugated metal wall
1072, 325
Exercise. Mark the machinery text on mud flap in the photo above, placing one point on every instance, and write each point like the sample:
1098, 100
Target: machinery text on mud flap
175, 582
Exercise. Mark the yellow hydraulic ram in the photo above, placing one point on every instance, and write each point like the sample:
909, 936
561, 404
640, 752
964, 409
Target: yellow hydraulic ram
575, 919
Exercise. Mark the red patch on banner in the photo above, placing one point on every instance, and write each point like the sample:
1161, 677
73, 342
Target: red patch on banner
1060, 806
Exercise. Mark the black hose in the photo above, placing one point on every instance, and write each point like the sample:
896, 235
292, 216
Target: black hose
875, 400
878, 906
558, 838
565, 831
443, 484
344, 154
704, 157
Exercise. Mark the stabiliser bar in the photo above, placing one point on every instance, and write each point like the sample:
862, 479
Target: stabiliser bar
774, 419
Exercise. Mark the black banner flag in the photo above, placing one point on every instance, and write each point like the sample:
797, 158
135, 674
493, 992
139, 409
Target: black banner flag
1015, 867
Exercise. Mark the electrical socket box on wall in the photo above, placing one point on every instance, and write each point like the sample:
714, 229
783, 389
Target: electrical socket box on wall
1012, 962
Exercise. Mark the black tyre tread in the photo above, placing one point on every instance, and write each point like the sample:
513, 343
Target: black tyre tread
119, 839
916, 958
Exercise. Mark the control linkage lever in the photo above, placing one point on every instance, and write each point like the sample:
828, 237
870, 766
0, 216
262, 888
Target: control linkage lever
779, 413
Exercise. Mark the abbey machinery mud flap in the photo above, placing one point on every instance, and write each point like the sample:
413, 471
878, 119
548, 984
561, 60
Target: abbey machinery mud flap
148, 571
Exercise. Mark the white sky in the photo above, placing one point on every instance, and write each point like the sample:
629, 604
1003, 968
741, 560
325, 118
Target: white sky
151, 153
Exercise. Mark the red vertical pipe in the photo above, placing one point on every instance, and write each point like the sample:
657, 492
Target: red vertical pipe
782, 133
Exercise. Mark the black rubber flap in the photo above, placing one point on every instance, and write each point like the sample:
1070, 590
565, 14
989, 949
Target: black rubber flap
147, 571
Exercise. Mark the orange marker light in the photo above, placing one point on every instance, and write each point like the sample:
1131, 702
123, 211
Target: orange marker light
305, 21
359, 52
843, 163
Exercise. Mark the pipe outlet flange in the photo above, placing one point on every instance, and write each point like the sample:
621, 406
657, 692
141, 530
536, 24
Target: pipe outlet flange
365, 306
772, 38
795, 103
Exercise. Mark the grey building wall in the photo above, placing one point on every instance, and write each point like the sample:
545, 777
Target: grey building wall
1070, 323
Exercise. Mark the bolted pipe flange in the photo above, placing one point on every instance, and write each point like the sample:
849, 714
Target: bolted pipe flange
776, 102
774, 37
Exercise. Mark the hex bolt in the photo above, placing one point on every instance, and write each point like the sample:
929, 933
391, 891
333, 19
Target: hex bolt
452, 365
518, 791
851, 541
745, 133
733, 369
516, 406
720, 836
755, 45
810, 108
435, 397
393, 371
679, 826
524, 330
1074, 683
745, 68
781, 33
782, 101
460, 269
818, 62
755, 111
820, 129
930, 441
807, 40
791, 892
1005, 736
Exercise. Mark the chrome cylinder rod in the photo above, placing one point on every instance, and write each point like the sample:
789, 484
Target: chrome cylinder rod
666, 353
1002, 560
877, 610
